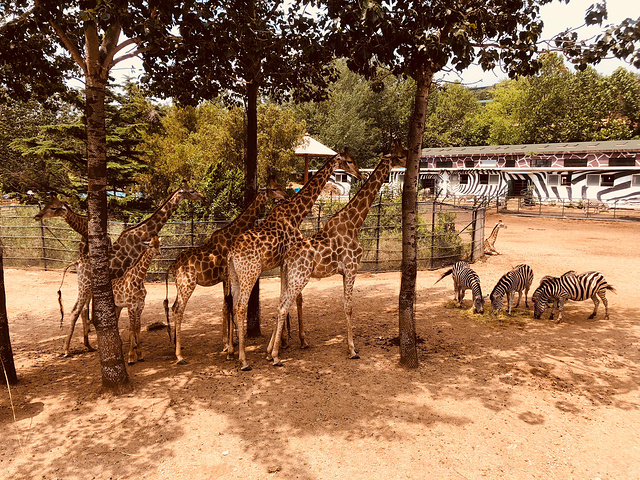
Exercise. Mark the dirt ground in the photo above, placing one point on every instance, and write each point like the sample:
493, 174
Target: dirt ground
525, 399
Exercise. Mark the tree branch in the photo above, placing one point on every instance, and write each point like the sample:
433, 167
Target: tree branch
73, 49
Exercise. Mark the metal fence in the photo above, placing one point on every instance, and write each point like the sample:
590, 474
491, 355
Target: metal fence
445, 234
582, 209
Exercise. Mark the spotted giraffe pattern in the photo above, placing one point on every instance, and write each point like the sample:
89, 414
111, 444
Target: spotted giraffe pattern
125, 251
489, 248
206, 265
129, 293
265, 246
335, 249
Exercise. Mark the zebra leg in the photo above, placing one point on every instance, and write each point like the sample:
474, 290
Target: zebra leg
519, 298
596, 303
560, 306
510, 296
606, 305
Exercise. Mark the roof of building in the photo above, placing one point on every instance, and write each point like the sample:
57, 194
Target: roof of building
535, 148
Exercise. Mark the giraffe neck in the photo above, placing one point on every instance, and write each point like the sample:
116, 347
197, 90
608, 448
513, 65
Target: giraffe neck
355, 212
248, 217
152, 225
139, 269
494, 234
298, 207
80, 223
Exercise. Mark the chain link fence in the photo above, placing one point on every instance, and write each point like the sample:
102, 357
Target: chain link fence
445, 234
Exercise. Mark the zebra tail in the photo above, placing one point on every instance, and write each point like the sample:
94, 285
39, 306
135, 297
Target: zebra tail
610, 288
448, 272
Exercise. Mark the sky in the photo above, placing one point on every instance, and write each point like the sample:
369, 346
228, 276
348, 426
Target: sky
557, 17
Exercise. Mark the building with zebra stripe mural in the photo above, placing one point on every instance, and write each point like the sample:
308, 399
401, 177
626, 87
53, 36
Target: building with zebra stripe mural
608, 171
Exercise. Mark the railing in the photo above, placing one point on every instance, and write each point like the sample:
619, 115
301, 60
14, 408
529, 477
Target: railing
445, 233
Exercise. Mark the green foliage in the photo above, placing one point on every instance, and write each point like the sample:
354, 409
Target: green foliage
363, 115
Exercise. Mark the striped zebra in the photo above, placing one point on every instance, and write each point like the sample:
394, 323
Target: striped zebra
464, 278
571, 286
515, 280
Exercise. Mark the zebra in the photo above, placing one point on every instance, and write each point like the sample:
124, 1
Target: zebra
515, 280
464, 278
571, 286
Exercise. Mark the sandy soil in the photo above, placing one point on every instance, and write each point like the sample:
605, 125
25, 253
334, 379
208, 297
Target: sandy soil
513, 399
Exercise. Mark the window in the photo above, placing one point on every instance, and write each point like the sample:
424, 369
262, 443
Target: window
575, 162
540, 162
510, 163
483, 179
469, 164
494, 179
444, 164
464, 179
553, 180
622, 162
593, 180
635, 181
566, 180
606, 180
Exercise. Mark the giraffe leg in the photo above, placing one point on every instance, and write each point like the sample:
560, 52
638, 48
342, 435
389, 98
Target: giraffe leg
347, 282
81, 302
301, 334
185, 287
86, 325
227, 328
132, 335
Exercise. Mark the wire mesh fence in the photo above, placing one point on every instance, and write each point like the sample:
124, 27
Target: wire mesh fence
445, 234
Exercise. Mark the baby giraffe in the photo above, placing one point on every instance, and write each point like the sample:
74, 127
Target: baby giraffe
129, 292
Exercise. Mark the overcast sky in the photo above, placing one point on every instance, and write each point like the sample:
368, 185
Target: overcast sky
557, 17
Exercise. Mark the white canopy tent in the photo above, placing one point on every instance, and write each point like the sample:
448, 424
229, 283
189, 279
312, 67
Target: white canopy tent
310, 147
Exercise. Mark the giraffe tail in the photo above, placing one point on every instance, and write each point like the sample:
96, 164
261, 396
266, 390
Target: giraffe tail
60, 290
448, 272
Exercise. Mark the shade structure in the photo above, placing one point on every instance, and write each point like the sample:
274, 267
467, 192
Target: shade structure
310, 147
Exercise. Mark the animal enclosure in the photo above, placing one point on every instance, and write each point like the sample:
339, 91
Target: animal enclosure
446, 234
500, 400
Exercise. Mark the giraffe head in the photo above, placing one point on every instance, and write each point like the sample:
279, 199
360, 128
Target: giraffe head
398, 156
500, 224
274, 190
346, 163
185, 192
154, 245
54, 208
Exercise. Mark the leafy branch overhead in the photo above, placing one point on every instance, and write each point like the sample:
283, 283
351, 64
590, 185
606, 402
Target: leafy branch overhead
620, 41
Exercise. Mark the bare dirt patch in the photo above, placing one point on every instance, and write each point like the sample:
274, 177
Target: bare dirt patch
516, 398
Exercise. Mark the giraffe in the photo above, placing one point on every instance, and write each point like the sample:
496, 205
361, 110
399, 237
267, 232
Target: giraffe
127, 248
80, 223
129, 292
206, 265
264, 247
489, 243
335, 249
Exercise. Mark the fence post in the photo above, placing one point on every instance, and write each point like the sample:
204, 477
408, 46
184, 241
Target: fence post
378, 230
433, 231
193, 235
44, 246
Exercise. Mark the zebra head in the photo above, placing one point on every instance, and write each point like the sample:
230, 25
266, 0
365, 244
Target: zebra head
478, 304
541, 296
496, 301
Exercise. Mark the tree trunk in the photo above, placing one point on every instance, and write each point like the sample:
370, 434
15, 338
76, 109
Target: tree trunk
251, 189
114, 371
7, 367
406, 300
